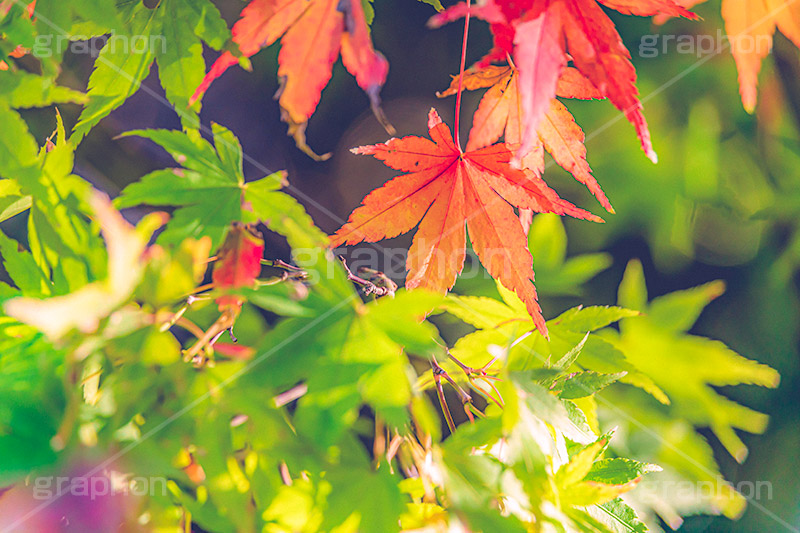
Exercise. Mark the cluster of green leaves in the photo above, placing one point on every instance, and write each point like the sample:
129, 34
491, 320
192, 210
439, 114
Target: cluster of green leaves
330, 421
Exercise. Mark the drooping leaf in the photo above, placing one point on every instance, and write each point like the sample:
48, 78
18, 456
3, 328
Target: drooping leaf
12, 201
17, 147
650, 8
238, 262
444, 190
501, 112
16, 31
23, 90
118, 73
170, 33
22, 268
314, 33
65, 248
539, 35
185, 25
750, 25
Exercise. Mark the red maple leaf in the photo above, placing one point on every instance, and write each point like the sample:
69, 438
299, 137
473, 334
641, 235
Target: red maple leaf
500, 114
238, 263
445, 190
540, 34
314, 32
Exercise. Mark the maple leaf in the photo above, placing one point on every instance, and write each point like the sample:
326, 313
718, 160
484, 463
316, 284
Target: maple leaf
539, 35
238, 264
649, 8
750, 25
84, 308
210, 191
314, 32
118, 74
500, 111
687, 366
444, 190
27, 13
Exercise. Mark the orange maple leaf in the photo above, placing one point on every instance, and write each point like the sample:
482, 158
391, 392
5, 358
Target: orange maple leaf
445, 190
500, 111
314, 32
750, 25
539, 35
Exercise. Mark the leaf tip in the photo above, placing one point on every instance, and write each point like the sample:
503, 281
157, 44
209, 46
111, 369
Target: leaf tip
749, 98
716, 289
433, 119
741, 454
367, 149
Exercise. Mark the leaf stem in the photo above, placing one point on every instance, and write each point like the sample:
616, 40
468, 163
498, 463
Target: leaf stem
369, 287
461, 79
437, 379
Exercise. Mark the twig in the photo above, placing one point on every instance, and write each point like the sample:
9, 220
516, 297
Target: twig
290, 395
479, 373
369, 287
457, 124
466, 399
440, 392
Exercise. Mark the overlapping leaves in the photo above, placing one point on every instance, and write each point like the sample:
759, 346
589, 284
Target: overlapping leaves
542, 36
444, 191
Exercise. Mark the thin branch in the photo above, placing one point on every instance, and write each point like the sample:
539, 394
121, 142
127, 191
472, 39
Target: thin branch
369, 287
457, 124
437, 379
290, 395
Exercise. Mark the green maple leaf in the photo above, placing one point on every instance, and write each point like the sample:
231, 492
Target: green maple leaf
508, 326
63, 245
211, 191
355, 356
687, 367
23, 90
171, 34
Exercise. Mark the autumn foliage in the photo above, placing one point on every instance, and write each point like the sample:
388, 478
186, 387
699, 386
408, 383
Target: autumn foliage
446, 189
278, 387
314, 33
